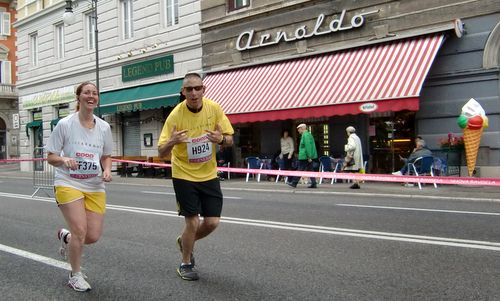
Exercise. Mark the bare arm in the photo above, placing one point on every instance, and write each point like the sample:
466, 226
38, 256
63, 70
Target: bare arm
165, 149
227, 140
106, 166
56, 160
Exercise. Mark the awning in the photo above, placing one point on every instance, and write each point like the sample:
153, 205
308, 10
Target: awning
384, 77
53, 123
33, 124
140, 98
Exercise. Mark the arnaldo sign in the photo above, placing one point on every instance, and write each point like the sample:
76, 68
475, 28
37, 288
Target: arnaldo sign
246, 39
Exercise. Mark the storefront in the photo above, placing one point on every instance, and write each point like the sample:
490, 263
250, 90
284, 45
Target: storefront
140, 112
39, 114
392, 70
370, 87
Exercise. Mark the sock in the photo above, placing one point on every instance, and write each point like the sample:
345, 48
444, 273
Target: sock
66, 238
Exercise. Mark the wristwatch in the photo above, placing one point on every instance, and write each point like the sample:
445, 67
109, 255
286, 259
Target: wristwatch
223, 140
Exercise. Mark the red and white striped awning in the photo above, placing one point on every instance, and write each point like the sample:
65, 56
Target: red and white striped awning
385, 77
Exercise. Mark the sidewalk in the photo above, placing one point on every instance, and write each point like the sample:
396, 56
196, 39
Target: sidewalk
460, 192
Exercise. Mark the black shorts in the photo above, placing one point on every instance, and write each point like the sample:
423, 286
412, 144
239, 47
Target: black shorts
203, 198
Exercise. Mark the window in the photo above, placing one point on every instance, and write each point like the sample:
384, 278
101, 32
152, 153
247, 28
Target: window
59, 40
63, 110
5, 72
127, 19
90, 29
5, 24
172, 12
33, 44
237, 4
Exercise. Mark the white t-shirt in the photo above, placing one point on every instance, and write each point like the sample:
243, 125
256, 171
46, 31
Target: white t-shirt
86, 146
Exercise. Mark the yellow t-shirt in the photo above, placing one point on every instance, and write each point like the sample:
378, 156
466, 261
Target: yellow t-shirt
195, 160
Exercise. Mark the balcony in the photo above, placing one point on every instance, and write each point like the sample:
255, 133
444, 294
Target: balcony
8, 91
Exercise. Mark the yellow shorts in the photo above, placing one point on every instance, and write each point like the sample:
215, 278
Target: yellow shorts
94, 201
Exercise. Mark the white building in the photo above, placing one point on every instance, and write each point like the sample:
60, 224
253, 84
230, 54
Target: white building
144, 47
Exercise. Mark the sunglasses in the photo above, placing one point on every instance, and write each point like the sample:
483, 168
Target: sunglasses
196, 88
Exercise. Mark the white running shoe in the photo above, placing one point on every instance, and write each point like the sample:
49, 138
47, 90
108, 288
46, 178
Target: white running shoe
78, 283
62, 236
397, 173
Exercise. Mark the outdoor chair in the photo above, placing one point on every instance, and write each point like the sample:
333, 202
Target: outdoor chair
222, 173
253, 163
325, 165
439, 167
422, 166
281, 166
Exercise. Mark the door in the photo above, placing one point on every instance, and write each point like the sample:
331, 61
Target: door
131, 135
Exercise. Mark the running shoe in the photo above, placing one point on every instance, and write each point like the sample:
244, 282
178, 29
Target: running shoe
187, 272
62, 236
179, 245
78, 283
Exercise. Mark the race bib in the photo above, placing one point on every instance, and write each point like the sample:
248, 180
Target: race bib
88, 166
199, 149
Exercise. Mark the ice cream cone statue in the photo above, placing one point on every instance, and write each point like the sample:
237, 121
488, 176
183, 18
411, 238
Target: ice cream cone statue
472, 120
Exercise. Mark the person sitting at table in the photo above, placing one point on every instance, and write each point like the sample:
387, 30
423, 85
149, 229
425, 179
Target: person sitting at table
419, 151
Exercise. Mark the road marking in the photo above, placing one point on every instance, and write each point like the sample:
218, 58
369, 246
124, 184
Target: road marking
423, 239
173, 193
47, 260
420, 209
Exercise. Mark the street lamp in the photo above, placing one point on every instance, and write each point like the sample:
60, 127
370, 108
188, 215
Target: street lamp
69, 18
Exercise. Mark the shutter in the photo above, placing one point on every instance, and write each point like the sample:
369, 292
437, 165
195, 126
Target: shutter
6, 24
5, 77
131, 136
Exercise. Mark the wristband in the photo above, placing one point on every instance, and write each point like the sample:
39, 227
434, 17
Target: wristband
223, 140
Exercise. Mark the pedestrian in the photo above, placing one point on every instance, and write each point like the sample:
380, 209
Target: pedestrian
287, 149
353, 161
307, 153
191, 133
80, 149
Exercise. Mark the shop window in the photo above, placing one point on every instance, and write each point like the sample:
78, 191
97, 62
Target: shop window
237, 4
248, 139
61, 112
319, 132
391, 137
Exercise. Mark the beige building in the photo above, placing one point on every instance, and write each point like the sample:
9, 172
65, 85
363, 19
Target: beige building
144, 48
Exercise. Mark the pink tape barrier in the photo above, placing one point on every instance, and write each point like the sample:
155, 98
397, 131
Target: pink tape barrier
329, 175
351, 176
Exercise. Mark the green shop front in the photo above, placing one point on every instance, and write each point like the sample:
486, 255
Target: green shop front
139, 112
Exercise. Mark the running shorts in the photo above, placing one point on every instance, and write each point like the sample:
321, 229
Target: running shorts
94, 201
203, 198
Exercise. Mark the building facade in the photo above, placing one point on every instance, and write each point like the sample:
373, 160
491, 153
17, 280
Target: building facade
9, 116
392, 69
144, 49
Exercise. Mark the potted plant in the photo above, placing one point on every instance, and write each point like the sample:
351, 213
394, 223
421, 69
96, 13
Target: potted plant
453, 147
